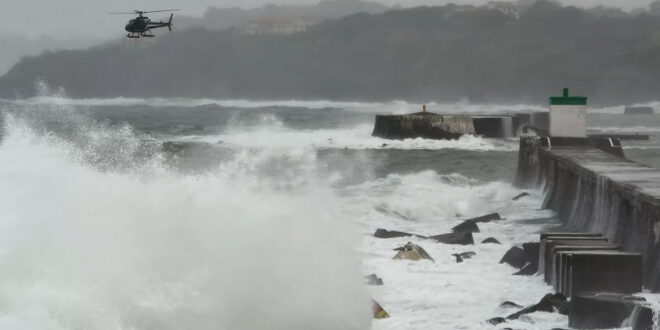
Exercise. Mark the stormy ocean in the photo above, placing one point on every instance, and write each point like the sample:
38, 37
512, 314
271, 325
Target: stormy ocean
232, 214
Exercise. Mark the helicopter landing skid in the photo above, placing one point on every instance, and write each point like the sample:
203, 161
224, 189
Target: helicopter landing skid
133, 35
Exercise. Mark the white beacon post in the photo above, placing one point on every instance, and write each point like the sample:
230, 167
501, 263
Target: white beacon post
568, 116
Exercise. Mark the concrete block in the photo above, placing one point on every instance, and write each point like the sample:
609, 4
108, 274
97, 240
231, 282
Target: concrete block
514, 257
491, 240
378, 311
609, 271
461, 238
559, 258
545, 258
413, 252
486, 218
468, 225
598, 310
527, 174
642, 317
383, 233
568, 234
532, 254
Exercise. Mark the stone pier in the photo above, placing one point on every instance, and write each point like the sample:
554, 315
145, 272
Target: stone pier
594, 189
446, 126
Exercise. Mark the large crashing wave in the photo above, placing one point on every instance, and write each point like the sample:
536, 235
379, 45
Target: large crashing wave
98, 233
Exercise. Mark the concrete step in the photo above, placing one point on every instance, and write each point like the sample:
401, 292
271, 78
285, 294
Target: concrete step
602, 310
548, 243
560, 253
611, 271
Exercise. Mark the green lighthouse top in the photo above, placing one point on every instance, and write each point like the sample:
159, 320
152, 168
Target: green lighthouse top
568, 100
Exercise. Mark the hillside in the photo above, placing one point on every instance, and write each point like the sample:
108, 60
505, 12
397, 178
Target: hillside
224, 18
428, 53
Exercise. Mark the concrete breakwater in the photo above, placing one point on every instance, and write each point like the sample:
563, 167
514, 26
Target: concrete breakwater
594, 189
438, 126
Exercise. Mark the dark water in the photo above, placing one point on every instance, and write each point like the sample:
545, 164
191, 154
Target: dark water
196, 140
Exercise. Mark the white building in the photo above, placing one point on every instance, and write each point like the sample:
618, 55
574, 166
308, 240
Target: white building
568, 116
506, 8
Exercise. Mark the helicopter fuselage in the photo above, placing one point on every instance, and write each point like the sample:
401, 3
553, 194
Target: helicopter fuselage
142, 25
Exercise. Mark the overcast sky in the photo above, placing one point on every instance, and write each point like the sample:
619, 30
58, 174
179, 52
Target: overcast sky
88, 18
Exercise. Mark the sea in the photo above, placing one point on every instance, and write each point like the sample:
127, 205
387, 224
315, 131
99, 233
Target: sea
145, 214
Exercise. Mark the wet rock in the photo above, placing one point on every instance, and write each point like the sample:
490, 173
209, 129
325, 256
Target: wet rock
601, 310
642, 318
550, 303
490, 240
462, 256
520, 196
414, 252
468, 255
526, 319
468, 225
527, 270
390, 213
496, 320
373, 279
461, 238
379, 312
383, 233
487, 218
515, 257
510, 304
174, 147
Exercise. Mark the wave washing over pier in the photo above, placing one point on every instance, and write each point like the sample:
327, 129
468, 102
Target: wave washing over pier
206, 214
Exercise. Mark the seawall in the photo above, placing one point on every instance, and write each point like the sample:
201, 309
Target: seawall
593, 188
440, 126
424, 125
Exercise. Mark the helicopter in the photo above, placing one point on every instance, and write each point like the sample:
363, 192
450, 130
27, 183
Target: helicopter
141, 26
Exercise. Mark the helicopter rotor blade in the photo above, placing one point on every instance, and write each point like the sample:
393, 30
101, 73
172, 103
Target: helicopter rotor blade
140, 12
160, 11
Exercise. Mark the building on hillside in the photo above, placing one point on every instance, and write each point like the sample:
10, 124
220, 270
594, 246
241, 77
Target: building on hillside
276, 25
462, 8
506, 8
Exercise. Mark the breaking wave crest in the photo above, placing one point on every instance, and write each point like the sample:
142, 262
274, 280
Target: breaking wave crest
397, 107
98, 233
270, 132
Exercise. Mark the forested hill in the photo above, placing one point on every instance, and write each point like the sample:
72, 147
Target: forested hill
427, 53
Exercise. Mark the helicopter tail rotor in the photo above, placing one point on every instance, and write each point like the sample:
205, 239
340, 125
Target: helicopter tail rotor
170, 23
